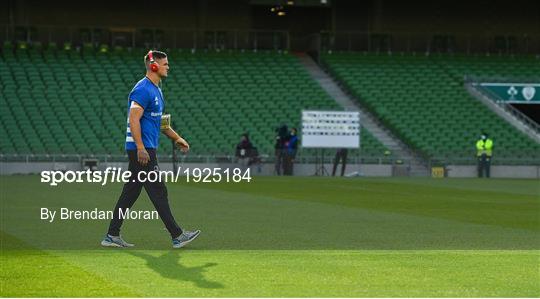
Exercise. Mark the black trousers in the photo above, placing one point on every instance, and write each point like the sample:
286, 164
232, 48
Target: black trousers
288, 162
484, 165
280, 160
341, 154
157, 191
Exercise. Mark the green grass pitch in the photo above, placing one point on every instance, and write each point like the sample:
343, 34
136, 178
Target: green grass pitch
282, 236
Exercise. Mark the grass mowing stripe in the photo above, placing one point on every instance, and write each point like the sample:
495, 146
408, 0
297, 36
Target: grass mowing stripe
313, 273
27, 272
510, 209
244, 221
266, 220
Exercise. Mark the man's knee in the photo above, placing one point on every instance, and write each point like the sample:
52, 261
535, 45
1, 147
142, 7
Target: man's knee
156, 190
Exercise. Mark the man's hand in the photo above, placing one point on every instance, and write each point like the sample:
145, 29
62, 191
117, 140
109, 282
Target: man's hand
182, 144
142, 156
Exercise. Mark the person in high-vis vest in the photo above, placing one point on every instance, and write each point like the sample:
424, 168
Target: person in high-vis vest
484, 151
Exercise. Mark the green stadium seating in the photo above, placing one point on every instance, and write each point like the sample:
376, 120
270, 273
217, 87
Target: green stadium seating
74, 101
424, 101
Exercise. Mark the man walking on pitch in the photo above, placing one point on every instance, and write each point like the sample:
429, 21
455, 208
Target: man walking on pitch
145, 108
484, 151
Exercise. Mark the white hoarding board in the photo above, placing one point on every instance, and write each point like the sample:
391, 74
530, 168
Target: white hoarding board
330, 129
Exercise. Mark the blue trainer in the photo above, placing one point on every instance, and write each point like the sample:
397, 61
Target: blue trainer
185, 238
115, 241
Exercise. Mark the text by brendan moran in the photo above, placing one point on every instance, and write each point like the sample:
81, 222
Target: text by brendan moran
95, 214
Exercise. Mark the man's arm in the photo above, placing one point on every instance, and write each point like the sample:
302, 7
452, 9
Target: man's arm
179, 141
135, 114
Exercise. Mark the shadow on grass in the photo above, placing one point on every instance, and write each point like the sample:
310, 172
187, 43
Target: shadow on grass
168, 266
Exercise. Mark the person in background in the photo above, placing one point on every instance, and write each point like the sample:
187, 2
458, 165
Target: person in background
244, 150
282, 135
291, 147
484, 151
341, 154
255, 159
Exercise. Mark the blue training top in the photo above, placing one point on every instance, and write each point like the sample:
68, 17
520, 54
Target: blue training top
150, 97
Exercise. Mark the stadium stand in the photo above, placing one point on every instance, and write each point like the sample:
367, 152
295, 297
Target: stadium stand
423, 99
61, 100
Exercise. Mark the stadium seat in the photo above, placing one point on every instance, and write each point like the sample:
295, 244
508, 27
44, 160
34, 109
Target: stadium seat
68, 101
423, 99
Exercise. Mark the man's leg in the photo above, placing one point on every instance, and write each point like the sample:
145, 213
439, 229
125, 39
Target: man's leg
480, 163
289, 163
488, 166
287, 170
157, 191
243, 163
484, 165
129, 195
336, 162
277, 165
344, 162
283, 161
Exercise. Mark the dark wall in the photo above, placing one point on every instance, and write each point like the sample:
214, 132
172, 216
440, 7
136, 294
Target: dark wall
411, 23
442, 16
183, 14
414, 25
479, 16
301, 23
298, 20
352, 15
476, 17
